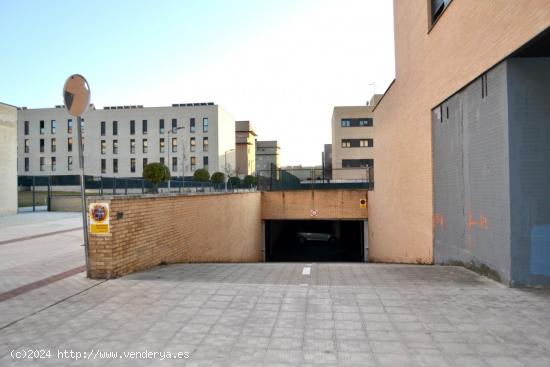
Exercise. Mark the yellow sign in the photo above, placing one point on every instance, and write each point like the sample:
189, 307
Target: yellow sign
363, 203
99, 218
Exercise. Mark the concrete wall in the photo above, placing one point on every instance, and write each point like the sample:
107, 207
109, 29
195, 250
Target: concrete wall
431, 65
206, 228
471, 178
329, 204
529, 111
8, 159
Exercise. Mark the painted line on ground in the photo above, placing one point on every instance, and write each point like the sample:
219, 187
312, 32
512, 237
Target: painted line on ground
40, 283
19, 239
306, 271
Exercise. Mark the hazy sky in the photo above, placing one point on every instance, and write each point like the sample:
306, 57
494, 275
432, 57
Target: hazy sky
282, 64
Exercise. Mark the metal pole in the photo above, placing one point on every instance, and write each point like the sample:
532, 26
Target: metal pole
83, 193
33, 194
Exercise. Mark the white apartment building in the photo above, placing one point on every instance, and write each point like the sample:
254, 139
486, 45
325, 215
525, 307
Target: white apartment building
120, 140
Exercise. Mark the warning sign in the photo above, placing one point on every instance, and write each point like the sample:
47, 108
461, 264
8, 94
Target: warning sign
99, 218
363, 203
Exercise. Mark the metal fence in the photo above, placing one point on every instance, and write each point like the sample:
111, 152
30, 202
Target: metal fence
315, 178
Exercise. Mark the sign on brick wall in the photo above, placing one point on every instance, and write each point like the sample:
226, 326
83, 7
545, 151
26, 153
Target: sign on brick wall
99, 218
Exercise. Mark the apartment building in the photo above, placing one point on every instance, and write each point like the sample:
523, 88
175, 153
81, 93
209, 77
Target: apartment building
245, 145
463, 174
353, 141
327, 161
267, 155
120, 140
8, 159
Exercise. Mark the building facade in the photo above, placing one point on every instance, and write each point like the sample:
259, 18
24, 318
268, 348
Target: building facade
245, 145
267, 155
450, 74
119, 141
8, 159
327, 161
353, 141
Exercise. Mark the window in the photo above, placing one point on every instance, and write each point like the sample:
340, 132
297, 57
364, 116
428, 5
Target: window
27, 145
366, 143
205, 162
26, 164
205, 124
161, 160
41, 145
115, 146
357, 163
174, 145
357, 143
144, 163
69, 163
103, 165
192, 125
132, 165
174, 164
53, 126
115, 165
41, 127
193, 163
205, 144
359, 122
144, 127
82, 125
174, 126
26, 128
69, 144
161, 145
132, 146
145, 146
69, 126
346, 143
42, 164
437, 8
161, 126
115, 127
102, 128
132, 127
53, 145
192, 144
53, 162
103, 147
483, 87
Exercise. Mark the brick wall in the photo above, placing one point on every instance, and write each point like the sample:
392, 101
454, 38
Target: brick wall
171, 229
329, 204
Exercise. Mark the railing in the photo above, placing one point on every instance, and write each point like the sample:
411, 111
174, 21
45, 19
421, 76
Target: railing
315, 178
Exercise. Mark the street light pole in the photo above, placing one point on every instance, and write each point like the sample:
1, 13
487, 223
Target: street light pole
170, 147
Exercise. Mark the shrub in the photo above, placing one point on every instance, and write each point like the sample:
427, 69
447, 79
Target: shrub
201, 175
217, 178
249, 181
156, 173
235, 181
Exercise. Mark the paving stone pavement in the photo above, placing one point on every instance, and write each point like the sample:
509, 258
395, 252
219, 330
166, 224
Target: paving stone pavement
272, 315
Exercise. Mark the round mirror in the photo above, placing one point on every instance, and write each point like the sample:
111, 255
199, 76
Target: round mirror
76, 94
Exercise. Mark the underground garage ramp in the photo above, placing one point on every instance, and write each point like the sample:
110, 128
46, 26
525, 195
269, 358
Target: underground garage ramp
314, 240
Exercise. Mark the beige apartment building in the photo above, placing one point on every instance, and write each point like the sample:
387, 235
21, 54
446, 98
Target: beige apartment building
463, 174
8, 159
245, 145
268, 154
353, 141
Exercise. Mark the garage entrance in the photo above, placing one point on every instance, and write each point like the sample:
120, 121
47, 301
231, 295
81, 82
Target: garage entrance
314, 240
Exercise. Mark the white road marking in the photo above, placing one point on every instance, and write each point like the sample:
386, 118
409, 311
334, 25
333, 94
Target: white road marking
306, 271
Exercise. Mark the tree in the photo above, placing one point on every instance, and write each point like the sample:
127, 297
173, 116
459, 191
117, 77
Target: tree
156, 173
249, 181
201, 175
235, 181
217, 178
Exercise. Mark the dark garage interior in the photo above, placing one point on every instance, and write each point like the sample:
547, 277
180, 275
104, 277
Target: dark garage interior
314, 241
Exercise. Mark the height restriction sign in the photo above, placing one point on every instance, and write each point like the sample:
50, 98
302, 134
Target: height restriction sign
99, 218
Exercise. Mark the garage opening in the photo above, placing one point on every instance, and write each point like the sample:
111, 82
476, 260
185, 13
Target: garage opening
314, 241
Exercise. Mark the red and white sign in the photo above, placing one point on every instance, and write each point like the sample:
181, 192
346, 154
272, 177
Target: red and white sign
313, 212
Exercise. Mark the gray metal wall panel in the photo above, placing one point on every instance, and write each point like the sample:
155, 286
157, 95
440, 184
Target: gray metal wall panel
529, 110
471, 179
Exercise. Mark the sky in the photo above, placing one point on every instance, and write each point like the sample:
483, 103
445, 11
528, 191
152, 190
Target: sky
281, 64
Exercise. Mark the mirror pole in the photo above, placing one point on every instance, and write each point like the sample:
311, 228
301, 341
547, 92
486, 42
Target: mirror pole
83, 193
